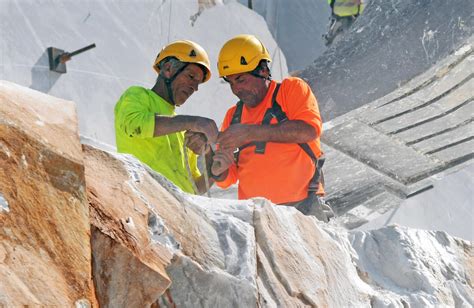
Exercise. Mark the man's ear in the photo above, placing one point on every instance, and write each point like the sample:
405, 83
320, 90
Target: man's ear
264, 71
166, 70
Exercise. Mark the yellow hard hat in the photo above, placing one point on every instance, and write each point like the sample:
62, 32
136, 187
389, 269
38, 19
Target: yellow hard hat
241, 54
185, 51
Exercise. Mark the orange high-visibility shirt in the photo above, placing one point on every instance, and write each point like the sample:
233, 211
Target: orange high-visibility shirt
283, 172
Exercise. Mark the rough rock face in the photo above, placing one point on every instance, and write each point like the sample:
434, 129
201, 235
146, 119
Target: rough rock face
45, 253
128, 266
229, 253
389, 44
303, 262
132, 208
299, 264
146, 234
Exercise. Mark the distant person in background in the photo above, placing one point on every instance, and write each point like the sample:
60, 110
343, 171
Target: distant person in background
269, 141
343, 15
147, 126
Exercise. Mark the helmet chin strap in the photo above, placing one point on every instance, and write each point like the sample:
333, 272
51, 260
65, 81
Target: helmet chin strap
169, 81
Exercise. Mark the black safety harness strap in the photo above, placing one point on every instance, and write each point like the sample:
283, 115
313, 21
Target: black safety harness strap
276, 112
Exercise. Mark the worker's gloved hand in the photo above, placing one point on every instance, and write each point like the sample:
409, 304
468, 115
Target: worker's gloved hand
196, 142
206, 126
221, 161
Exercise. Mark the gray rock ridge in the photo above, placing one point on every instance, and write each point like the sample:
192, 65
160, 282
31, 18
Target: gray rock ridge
389, 44
389, 150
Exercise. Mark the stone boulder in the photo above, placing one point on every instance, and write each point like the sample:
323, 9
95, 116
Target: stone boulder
154, 246
166, 229
128, 264
229, 253
45, 252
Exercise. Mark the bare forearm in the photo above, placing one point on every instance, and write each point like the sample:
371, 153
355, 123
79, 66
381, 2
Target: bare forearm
167, 125
294, 131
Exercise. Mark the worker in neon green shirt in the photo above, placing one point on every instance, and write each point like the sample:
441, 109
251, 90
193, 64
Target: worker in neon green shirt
147, 126
343, 15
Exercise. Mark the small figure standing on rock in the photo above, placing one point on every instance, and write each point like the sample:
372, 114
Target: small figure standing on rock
343, 15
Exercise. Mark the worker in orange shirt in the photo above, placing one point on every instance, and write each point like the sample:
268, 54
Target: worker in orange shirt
269, 141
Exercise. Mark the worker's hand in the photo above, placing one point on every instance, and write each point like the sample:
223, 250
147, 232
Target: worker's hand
206, 126
234, 136
221, 161
196, 142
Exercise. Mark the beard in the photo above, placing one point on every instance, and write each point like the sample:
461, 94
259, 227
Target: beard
250, 100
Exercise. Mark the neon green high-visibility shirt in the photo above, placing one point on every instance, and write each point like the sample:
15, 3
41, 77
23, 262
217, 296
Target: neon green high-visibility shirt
134, 128
344, 8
